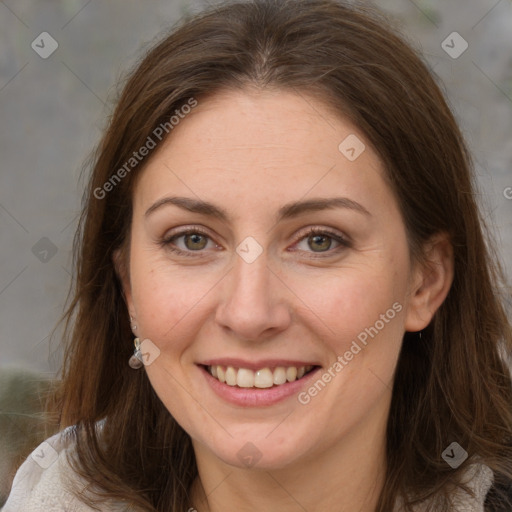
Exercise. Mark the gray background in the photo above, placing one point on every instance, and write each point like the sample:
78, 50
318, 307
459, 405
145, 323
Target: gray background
52, 112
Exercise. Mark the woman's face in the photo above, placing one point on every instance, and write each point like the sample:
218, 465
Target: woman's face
252, 295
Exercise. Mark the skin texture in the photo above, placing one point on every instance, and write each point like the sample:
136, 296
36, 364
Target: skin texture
250, 152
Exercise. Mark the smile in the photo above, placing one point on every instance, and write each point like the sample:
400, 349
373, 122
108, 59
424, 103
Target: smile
262, 378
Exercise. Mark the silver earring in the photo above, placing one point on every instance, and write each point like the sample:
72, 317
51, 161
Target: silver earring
134, 327
135, 361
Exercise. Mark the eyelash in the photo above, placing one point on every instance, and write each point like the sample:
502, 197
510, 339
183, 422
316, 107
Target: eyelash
344, 243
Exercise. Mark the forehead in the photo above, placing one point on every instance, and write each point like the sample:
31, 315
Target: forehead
254, 145
272, 121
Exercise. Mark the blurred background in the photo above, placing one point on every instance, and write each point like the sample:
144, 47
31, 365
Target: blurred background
60, 61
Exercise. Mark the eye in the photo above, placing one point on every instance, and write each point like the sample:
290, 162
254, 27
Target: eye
194, 241
320, 241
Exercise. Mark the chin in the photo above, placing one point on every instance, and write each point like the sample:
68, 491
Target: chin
257, 451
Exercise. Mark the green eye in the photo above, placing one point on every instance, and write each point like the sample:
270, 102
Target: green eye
323, 242
319, 241
195, 241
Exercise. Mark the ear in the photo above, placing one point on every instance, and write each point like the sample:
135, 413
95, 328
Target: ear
430, 282
121, 268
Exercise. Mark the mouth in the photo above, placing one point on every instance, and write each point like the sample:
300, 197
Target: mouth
262, 378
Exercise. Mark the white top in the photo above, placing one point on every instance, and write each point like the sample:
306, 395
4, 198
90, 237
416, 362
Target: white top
42, 483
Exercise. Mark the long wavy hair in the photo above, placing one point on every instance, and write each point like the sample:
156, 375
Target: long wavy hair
452, 384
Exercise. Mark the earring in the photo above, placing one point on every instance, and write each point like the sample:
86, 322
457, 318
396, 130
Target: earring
135, 361
134, 327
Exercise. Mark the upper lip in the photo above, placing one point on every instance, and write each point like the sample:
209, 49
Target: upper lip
256, 365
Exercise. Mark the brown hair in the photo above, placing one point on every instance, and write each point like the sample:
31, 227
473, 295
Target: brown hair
452, 384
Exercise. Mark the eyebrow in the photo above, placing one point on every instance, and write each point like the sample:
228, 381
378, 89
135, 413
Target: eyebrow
287, 211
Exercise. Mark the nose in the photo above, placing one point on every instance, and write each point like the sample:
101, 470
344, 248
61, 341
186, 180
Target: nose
254, 302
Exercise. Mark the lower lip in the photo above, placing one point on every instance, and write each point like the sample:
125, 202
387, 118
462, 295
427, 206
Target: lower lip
256, 397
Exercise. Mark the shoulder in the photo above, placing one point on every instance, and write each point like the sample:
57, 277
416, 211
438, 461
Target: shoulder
478, 477
499, 497
43, 482
38, 484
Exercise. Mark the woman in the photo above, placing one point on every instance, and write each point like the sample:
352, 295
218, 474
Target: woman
282, 215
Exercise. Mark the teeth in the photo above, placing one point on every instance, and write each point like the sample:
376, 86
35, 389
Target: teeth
245, 378
279, 375
231, 376
291, 373
264, 378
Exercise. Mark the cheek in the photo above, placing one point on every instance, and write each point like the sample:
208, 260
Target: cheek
167, 299
359, 319
346, 304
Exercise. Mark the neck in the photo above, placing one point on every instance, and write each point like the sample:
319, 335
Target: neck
348, 477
